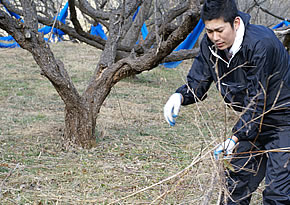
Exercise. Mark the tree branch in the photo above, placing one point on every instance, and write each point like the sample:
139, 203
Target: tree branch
95, 41
74, 19
181, 55
133, 33
10, 7
163, 26
268, 12
96, 14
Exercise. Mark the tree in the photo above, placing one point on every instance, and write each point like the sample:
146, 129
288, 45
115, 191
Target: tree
121, 56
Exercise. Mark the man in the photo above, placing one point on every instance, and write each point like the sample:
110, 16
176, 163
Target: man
251, 70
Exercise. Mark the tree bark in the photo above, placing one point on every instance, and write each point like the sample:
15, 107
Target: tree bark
80, 126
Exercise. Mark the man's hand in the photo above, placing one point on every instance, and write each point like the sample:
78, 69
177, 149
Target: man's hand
227, 147
172, 107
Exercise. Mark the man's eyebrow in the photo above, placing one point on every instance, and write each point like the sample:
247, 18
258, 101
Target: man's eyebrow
215, 29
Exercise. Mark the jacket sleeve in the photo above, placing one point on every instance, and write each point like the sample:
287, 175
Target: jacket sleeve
198, 81
258, 75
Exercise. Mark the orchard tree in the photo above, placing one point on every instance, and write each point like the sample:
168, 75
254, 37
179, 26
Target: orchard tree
169, 24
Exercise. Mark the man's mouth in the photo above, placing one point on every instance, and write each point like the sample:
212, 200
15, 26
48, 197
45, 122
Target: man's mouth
219, 44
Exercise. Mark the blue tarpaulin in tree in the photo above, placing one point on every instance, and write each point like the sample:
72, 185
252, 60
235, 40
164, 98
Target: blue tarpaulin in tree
56, 32
98, 31
144, 30
8, 42
188, 43
12, 13
283, 23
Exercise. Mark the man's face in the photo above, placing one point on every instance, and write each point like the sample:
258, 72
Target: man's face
221, 33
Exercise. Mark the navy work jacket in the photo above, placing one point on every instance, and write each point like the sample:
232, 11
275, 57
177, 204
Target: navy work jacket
255, 81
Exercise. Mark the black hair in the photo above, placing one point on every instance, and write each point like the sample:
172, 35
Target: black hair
215, 9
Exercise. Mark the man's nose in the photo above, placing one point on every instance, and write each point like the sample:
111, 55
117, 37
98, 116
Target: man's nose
215, 36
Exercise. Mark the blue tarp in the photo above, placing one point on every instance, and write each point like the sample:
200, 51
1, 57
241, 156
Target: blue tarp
8, 42
98, 31
283, 23
144, 30
188, 43
56, 32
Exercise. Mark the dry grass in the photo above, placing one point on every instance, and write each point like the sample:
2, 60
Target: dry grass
137, 149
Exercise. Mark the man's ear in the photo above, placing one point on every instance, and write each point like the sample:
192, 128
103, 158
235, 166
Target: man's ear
237, 22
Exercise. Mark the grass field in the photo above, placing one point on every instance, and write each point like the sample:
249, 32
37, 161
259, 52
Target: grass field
138, 160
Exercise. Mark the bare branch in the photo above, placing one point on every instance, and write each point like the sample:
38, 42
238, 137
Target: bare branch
268, 12
133, 33
181, 55
74, 19
166, 25
96, 14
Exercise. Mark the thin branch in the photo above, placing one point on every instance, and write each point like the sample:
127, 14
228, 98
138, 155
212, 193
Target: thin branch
55, 19
168, 17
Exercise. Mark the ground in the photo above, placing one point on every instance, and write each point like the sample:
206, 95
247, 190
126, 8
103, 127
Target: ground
136, 147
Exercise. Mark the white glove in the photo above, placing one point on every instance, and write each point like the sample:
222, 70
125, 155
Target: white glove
227, 147
172, 107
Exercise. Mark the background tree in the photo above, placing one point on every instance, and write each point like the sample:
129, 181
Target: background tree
121, 56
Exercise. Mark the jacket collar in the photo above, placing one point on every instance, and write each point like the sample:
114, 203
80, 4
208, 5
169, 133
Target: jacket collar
239, 38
